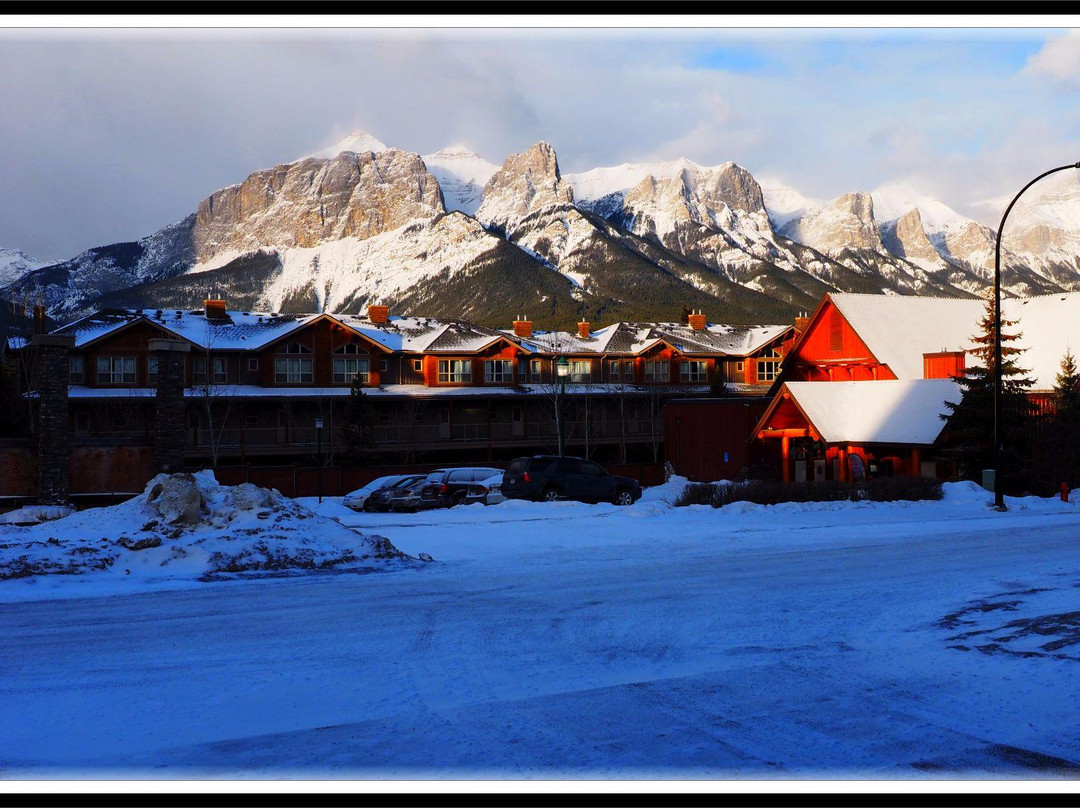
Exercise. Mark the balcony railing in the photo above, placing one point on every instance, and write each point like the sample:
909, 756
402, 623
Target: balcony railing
429, 434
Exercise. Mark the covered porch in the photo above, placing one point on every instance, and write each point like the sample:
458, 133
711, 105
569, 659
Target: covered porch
849, 431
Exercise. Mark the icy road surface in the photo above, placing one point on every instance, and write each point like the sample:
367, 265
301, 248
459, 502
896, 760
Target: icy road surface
575, 641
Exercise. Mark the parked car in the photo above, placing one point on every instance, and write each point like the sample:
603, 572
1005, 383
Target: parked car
446, 488
487, 491
379, 500
357, 499
547, 477
406, 497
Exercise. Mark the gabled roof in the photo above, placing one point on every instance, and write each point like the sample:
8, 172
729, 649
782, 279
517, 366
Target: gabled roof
634, 338
898, 330
904, 411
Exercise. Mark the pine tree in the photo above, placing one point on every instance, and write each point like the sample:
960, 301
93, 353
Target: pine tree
359, 423
969, 433
1063, 431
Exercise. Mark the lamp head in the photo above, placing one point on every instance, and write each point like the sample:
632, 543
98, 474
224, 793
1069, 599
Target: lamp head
562, 367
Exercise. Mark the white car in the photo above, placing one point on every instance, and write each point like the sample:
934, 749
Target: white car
488, 491
356, 499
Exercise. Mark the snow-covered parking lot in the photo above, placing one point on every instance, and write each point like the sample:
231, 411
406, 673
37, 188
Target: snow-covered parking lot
564, 641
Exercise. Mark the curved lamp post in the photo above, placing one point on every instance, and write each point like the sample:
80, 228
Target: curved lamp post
562, 370
999, 491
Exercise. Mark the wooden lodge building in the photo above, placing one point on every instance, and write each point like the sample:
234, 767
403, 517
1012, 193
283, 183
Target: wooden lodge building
869, 375
252, 387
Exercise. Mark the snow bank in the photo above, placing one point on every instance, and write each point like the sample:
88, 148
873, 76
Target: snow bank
189, 527
35, 514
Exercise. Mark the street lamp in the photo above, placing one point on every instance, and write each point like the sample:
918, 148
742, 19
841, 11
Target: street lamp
562, 370
999, 491
318, 454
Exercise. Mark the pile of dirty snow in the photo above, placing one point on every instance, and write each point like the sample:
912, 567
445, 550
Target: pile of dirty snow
187, 526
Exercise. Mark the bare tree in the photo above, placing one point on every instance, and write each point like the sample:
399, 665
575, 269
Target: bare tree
214, 394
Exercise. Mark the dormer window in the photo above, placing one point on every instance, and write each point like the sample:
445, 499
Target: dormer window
293, 369
116, 369
768, 365
657, 371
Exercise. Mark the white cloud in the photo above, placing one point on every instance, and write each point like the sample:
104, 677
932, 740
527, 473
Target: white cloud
1059, 59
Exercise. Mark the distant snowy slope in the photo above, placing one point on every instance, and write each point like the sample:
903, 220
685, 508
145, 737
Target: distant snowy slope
357, 142
14, 264
462, 175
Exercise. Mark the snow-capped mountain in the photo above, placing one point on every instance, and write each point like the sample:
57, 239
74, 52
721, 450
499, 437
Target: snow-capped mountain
462, 176
14, 264
451, 234
357, 142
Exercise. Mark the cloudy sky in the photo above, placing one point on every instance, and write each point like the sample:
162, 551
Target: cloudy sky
110, 134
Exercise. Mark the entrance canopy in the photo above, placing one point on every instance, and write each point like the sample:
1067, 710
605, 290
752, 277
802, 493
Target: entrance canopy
903, 412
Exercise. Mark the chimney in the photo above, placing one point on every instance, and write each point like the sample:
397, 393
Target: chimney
522, 327
39, 319
583, 329
697, 321
215, 309
378, 314
801, 322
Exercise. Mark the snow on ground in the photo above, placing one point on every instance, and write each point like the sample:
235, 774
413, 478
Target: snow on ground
562, 640
182, 530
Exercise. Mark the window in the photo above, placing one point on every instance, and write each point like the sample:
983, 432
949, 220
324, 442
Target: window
153, 364
418, 365
253, 365
384, 365
347, 370
536, 370
836, 331
693, 371
580, 370
352, 349
498, 371
251, 420
76, 370
455, 371
292, 371
198, 370
740, 366
591, 469
116, 369
295, 348
768, 365
628, 370
613, 371
657, 371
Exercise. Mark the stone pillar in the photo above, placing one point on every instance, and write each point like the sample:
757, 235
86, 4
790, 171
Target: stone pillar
53, 445
170, 425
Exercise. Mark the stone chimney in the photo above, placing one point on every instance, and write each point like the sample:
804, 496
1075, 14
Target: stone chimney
801, 322
169, 422
53, 451
39, 319
697, 321
522, 326
378, 314
215, 309
583, 329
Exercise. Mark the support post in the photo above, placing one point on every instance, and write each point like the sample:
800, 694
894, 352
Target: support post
169, 404
785, 454
54, 478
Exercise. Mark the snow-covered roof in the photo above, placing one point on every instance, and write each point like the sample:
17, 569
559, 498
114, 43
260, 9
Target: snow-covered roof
899, 329
632, 338
243, 330
896, 411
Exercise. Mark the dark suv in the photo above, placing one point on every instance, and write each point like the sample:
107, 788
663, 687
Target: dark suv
546, 477
446, 488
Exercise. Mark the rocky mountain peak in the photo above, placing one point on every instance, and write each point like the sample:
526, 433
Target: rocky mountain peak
357, 194
845, 223
527, 182
906, 237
